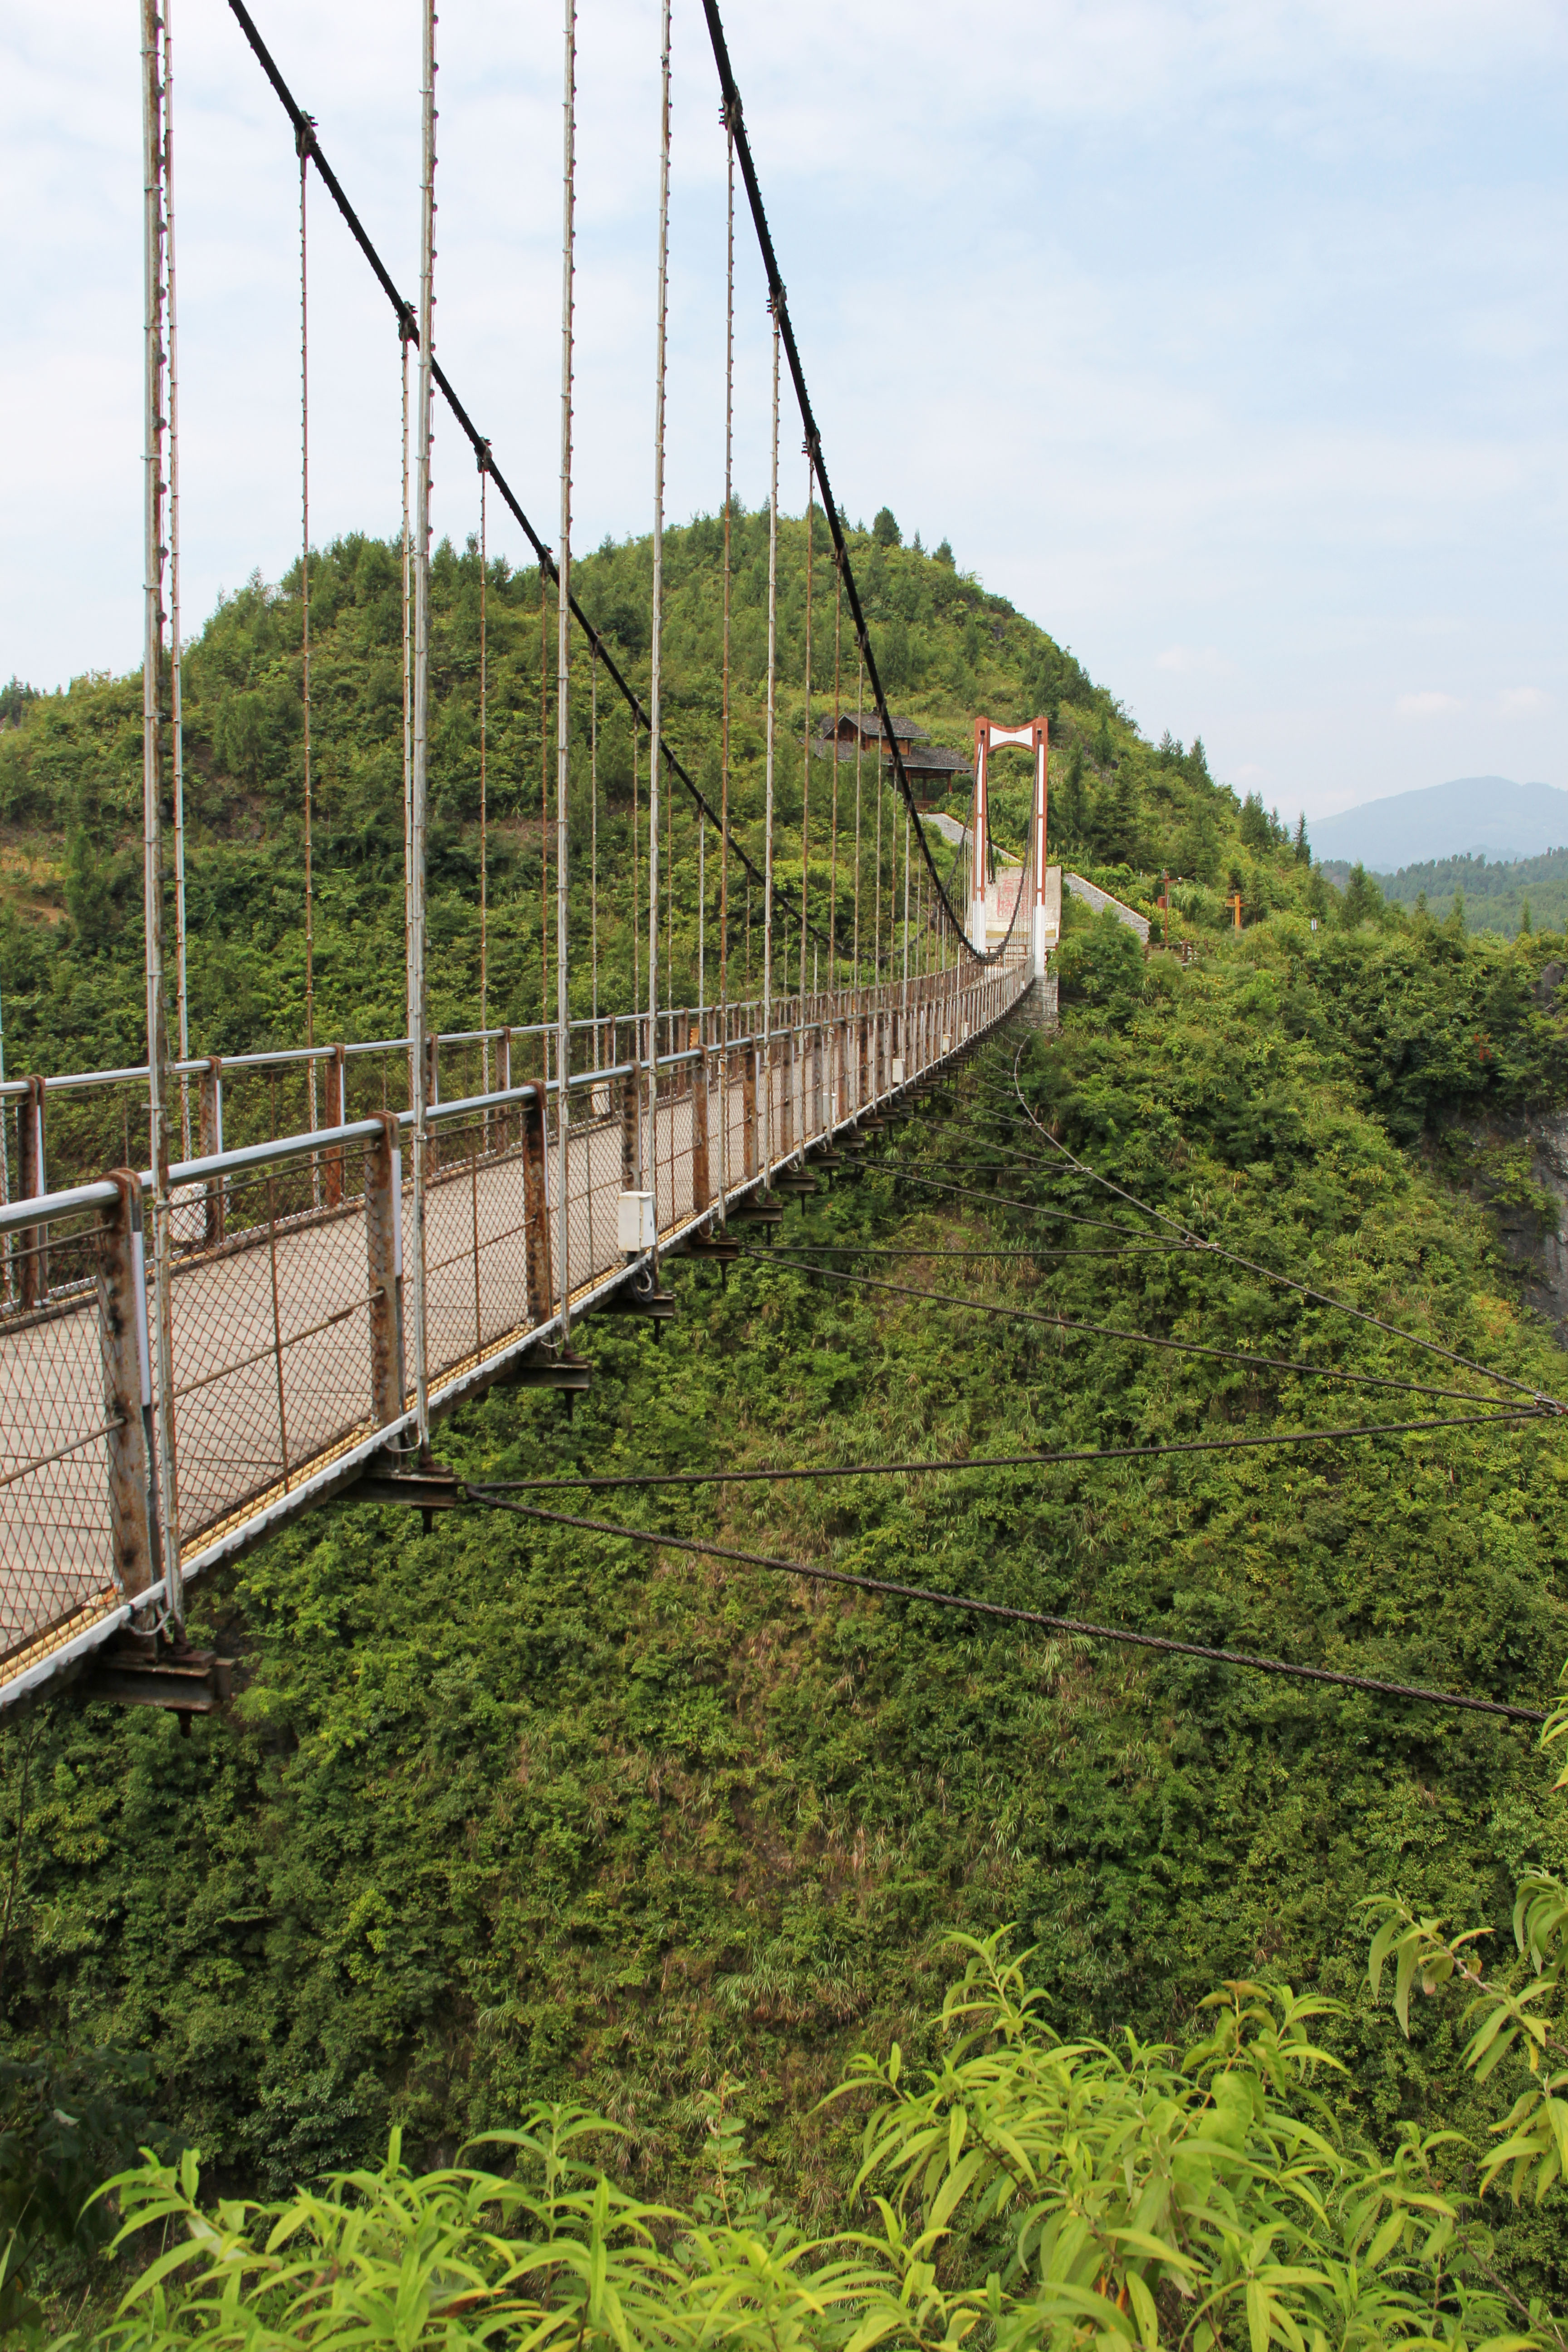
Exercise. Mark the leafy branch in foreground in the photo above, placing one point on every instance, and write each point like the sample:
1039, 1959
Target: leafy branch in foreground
1529, 2017
1029, 2190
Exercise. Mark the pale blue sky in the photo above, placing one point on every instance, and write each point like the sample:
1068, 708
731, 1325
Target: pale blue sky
1227, 340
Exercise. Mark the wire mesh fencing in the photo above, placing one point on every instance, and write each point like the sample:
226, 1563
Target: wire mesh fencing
287, 1298
73, 1462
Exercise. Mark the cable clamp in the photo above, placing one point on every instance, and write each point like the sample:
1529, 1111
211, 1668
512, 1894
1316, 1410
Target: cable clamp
305, 137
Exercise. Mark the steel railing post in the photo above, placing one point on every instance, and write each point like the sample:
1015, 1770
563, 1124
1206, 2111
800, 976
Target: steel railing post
32, 1246
332, 1165
748, 1110
212, 1144
535, 1208
128, 1390
701, 1194
383, 1252
631, 1132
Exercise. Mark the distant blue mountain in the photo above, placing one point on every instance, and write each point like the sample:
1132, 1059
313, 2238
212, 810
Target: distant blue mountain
1485, 815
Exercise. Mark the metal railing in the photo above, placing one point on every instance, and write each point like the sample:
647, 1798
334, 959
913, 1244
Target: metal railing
291, 1363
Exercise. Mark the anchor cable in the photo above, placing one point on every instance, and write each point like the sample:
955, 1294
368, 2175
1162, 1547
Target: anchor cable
1048, 1622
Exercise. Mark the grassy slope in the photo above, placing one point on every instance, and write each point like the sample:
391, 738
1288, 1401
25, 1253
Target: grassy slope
511, 1810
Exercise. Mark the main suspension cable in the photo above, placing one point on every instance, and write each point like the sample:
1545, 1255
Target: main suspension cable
779, 302
1048, 1621
408, 327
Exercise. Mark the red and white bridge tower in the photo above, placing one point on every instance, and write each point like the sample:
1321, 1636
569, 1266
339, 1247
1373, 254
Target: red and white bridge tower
989, 737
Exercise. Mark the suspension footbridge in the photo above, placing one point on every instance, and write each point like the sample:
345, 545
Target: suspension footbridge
204, 1341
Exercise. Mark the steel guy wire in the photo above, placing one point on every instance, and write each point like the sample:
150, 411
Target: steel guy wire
786, 1251
1111, 1332
1285, 1281
1003, 1200
1374, 1685
1042, 1459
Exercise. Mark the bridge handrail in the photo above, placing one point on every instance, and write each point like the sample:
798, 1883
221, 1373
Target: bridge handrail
275, 1058
41, 1208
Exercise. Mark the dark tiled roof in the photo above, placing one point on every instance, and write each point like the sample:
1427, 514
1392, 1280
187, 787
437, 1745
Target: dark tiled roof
904, 729
953, 763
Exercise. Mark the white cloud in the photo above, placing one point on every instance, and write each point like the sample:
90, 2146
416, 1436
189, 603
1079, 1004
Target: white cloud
1427, 706
1186, 659
1218, 325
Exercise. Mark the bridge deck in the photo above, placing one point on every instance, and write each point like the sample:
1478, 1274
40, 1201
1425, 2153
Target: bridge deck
273, 1294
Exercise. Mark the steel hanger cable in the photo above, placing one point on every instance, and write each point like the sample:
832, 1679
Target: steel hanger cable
408, 325
778, 303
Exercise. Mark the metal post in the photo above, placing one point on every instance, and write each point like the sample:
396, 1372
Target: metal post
212, 1144
535, 1207
563, 677
32, 1242
153, 260
1038, 912
304, 142
701, 1194
419, 774
128, 1390
383, 1255
748, 1111
5, 1161
631, 1130
333, 1172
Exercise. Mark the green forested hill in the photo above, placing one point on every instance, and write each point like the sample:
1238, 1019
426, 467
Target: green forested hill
70, 787
1506, 895
511, 1811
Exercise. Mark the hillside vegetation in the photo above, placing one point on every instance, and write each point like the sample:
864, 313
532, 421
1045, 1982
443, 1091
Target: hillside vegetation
1504, 895
71, 791
515, 1812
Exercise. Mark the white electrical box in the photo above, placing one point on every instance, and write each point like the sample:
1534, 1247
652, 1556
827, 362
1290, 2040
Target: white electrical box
898, 1069
634, 1223
947, 1041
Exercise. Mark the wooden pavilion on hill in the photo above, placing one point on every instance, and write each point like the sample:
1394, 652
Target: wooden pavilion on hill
930, 767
